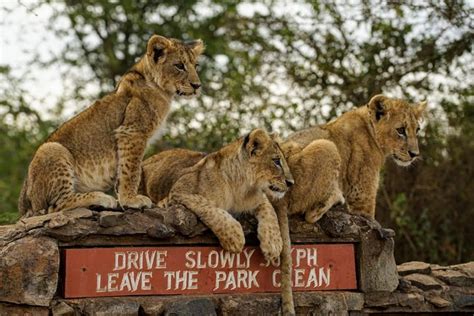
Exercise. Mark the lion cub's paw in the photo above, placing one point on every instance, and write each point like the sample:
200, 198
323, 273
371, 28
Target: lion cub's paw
313, 216
137, 201
103, 200
231, 237
271, 243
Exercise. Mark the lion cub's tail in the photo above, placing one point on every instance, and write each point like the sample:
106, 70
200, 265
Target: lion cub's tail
24, 203
287, 304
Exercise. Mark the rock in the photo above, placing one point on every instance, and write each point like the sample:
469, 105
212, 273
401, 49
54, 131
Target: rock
160, 231
336, 223
255, 305
463, 299
29, 271
328, 303
414, 301
115, 307
197, 307
155, 309
414, 267
424, 282
453, 277
58, 221
378, 269
75, 229
63, 309
109, 218
183, 220
467, 268
36, 221
437, 300
22, 310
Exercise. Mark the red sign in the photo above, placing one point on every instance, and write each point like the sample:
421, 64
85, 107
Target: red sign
202, 270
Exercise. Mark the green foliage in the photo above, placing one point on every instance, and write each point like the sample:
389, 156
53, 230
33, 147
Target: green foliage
284, 68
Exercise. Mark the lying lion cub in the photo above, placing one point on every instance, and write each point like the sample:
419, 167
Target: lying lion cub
236, 178
103, 146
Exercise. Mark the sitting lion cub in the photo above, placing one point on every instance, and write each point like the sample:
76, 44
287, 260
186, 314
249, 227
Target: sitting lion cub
103, 146
348, 154
341, 161
236, 178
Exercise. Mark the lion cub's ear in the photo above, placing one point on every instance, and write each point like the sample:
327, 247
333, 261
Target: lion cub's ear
377, 107
276, 137
419, 109
255, 142
157, 46
196, 46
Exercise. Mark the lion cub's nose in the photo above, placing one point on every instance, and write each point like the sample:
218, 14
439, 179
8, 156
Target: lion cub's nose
413, 154
195, 85
289, 183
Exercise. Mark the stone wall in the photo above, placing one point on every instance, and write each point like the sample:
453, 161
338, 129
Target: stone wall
30, 277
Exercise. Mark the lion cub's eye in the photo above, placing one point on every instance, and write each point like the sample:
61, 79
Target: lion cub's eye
277, 162
401, 131
179, 66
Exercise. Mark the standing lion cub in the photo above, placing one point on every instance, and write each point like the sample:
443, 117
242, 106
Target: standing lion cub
103, 146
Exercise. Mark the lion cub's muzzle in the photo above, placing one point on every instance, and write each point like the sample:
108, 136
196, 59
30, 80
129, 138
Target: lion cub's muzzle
193, 90
277, 191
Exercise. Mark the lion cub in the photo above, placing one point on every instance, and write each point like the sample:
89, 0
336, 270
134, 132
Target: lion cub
348, 154
236, 178
103, 146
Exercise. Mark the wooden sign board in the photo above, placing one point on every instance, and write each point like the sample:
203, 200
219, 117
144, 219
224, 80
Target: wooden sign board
190, 270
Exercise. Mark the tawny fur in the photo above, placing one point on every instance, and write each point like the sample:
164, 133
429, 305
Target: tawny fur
341, 161
237, 178
347, 155
103, 146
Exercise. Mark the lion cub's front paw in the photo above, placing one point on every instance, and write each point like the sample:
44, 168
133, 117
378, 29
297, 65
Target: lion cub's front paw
101, 199
271, 243
231, 237
137, 201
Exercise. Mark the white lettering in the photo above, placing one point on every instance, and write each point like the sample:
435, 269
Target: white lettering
160, 259
146, 281
299, 274
313, 278
120, 261
112, 282
100, 289
190, 262
213, 259
323, 277
192, 280
220, 277
300, 254
312, 257
274, 278
227, 258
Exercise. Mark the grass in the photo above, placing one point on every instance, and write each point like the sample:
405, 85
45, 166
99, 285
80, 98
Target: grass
8, 217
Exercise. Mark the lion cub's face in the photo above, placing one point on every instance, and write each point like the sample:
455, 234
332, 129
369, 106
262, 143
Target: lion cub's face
173, 64
267, 162
396, 127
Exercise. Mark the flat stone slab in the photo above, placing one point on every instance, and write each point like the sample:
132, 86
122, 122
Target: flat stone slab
424, 282
414, 267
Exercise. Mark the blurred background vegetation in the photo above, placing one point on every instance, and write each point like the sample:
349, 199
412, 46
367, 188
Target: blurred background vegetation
280, 65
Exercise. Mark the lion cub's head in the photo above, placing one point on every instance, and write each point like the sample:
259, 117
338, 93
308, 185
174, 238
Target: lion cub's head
172, 64
396, 127
268, 163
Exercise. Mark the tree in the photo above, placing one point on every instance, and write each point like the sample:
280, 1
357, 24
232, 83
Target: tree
285, 67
